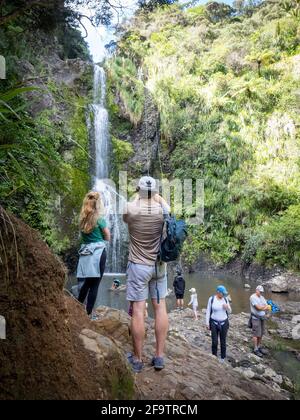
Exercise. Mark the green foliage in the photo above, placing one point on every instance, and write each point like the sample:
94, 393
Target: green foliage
261, 58
7, 111
292, 7
122, 151
195, 245
44, 160
151, 5
124, 76
218, 11
281, 240
73, 45
31, 170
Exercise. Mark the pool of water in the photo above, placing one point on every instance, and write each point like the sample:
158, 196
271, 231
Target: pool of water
204, 282
289, 365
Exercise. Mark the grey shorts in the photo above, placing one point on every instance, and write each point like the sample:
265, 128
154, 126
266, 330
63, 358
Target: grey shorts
258, 327
142, 282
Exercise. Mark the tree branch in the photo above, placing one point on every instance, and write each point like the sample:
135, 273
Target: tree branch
80, 16
86, 32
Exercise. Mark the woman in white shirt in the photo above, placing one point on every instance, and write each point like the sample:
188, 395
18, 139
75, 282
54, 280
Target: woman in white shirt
217, 322
194, 302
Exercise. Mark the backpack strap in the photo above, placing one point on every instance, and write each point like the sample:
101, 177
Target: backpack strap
226, 300
212, 298
165, 215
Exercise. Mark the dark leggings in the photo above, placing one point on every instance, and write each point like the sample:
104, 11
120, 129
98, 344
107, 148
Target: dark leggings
217, 331
91, 285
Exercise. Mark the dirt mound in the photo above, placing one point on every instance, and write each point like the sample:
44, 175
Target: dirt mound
43, 356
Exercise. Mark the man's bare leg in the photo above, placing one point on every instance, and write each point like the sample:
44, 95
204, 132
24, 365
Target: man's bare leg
255, 342
161, 325
138, 328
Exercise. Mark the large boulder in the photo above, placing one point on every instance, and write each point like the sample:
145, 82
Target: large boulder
284, 283
278, 284
296, 332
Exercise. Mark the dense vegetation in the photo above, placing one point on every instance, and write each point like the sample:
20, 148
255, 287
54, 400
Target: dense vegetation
226, 82
44, 163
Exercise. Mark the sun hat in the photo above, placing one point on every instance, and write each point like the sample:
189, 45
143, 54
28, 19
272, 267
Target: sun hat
260, 289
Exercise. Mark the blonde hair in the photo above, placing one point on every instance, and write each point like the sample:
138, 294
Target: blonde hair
90, 212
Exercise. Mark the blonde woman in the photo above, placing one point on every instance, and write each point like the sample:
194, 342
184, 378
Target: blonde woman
92, 254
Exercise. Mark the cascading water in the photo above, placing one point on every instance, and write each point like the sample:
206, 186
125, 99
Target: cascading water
110, 198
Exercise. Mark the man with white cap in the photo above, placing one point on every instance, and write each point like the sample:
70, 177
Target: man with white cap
259, 306
146, 276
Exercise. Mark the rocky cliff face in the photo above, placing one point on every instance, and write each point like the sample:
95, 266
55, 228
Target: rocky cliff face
143, 138
146, 140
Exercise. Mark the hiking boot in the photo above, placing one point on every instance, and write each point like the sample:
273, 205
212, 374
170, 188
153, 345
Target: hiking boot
136, 365
158, 363
264, 351
129, 357
258, 353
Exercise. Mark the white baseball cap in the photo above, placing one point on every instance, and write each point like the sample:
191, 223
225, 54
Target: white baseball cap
260, 289
147, 183
192, 290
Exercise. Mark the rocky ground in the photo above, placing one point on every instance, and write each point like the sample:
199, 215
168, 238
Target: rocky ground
240, 356
191, 371
287, 324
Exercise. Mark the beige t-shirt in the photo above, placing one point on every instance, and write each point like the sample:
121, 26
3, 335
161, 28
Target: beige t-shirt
145, 222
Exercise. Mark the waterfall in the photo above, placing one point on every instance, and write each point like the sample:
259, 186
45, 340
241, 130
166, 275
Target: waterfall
100, 125
110, 198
